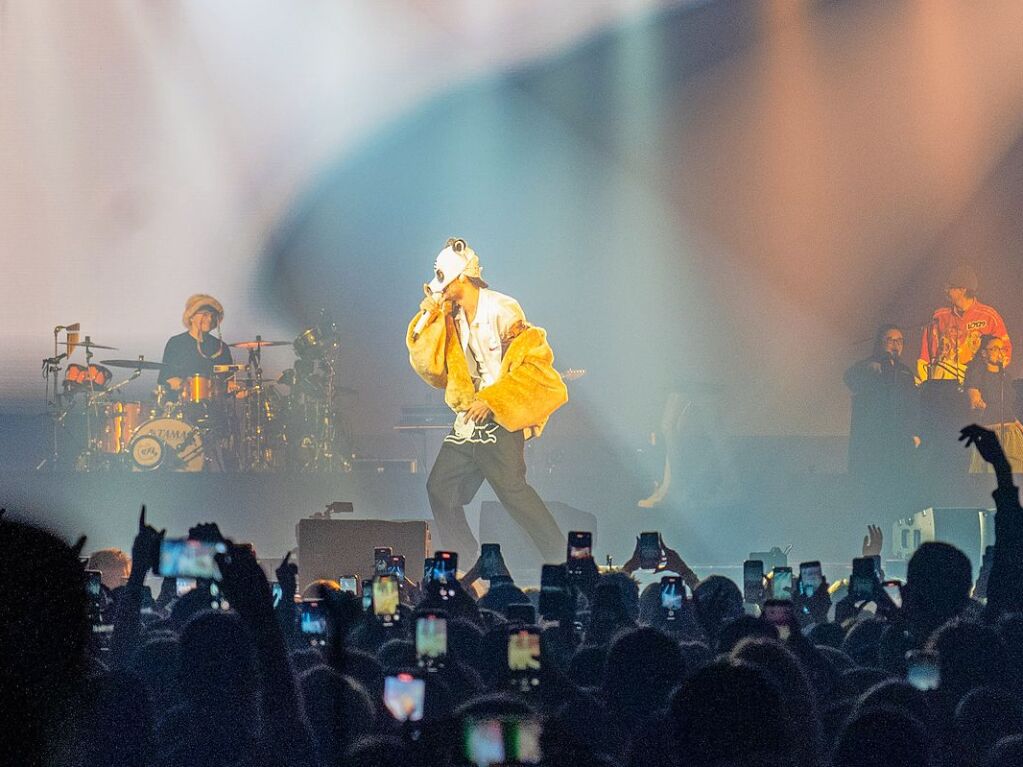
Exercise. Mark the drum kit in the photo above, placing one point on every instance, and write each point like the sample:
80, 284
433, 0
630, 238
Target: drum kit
237, 419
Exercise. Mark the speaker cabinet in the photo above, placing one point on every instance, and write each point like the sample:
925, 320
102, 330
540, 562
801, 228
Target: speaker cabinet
968, 529
330, 548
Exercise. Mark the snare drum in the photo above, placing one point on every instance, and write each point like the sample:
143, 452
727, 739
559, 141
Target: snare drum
166, 443
196, 389
120, 420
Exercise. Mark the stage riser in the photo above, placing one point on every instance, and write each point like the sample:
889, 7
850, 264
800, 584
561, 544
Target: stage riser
261, 508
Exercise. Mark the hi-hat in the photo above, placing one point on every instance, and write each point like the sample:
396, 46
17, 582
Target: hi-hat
257, 344
133, 364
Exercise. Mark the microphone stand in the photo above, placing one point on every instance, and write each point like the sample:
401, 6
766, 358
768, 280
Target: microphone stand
934, 345
1001, 404
959, 373
55, 401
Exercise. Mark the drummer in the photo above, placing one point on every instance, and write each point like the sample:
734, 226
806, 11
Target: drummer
196, 351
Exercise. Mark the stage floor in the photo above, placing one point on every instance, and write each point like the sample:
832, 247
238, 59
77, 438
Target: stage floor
821, 515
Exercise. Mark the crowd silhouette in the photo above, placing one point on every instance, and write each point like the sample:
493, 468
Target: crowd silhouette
236, 672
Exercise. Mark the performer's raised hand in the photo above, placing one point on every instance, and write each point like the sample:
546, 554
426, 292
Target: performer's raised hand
432, 302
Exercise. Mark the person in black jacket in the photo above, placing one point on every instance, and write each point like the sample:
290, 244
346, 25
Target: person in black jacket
885, 410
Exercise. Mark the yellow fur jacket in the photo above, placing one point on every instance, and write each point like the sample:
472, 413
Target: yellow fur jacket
528, 390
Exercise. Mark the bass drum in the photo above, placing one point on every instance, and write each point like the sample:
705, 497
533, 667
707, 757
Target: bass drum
168, 444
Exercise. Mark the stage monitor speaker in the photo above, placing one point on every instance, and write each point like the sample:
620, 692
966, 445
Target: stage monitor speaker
330, 548
521, 556
968, 529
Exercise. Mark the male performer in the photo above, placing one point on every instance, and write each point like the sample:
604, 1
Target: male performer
195, 351
498, 376
885, 409
953, 335
993, 399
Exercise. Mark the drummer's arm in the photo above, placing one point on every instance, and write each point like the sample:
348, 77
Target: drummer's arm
174, 382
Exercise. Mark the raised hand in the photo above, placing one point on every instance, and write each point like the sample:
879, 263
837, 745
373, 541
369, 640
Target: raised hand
501, 570
287, 576
206, 531
673, 562
987, 444
430, 302
872, 542
343, 610
168, 592
244, 582
145, 550
470, 576
632, 564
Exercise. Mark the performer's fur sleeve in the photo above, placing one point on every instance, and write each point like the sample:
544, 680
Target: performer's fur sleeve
528, 390
436, 356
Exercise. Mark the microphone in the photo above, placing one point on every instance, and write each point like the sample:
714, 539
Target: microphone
424, 319
421, 324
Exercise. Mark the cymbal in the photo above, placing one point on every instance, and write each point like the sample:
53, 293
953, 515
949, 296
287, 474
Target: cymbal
257, 344
232, 368
90, 344
133, 364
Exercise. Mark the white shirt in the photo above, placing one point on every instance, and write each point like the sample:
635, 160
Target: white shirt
496, 315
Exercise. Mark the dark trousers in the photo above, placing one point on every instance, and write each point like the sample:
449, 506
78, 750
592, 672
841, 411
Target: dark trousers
458, 473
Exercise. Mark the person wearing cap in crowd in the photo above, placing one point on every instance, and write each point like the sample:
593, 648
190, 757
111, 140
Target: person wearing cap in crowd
952, 337
498, 376
195, 351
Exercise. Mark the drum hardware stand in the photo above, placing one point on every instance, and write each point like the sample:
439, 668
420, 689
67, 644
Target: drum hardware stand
55, 402
86, 460
94, 398
253, 447
327, 459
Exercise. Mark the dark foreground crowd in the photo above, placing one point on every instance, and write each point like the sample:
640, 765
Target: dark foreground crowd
620, 680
